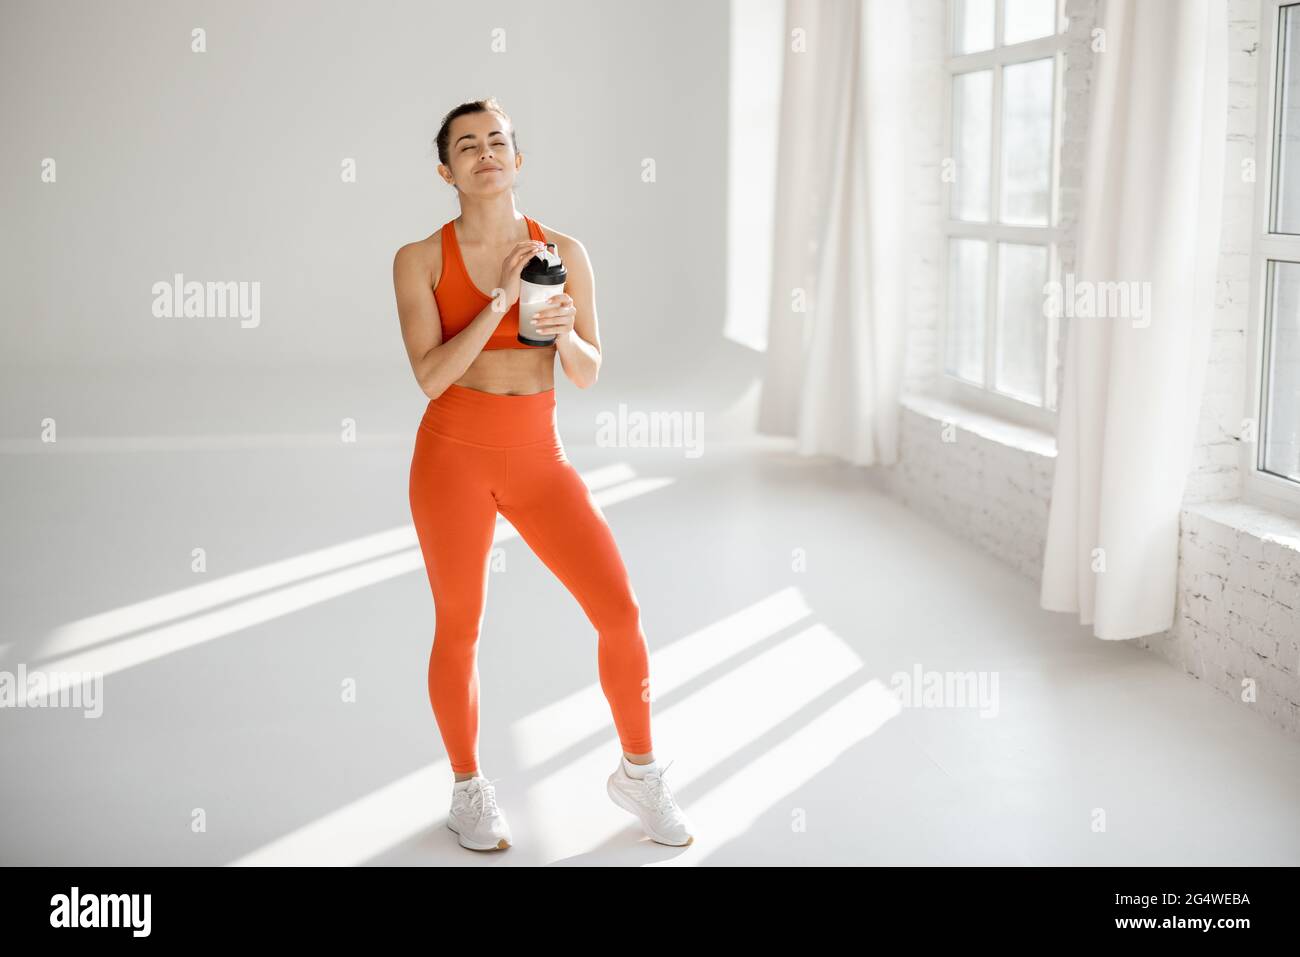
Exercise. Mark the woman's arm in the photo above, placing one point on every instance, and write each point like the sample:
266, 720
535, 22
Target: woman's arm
579, 347
436, 363
417, 311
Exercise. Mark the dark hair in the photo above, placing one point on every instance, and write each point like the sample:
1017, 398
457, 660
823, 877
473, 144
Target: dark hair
473, 106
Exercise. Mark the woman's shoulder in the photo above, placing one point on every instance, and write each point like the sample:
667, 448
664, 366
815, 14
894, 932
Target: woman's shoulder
422, 254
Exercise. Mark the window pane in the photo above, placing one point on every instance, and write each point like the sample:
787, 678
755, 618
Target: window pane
1027, 20
972, 25
1281, 440
1022, 324
967, 286
972, 144
1027, 142
1286, 161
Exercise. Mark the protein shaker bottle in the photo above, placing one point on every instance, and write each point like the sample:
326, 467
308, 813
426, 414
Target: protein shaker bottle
539, 280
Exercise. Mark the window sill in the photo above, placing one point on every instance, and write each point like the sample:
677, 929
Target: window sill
1010, 434
1251, 521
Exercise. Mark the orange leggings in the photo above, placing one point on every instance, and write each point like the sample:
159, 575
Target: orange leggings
479, 453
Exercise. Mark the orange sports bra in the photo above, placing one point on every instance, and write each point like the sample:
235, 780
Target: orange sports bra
459, 300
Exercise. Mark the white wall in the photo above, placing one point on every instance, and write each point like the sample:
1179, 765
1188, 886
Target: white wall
925, 194
225, 166
1216, 475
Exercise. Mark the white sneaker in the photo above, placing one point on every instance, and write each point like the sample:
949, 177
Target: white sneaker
650, 799
474, 815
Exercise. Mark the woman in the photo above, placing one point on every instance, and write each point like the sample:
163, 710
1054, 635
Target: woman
488, 443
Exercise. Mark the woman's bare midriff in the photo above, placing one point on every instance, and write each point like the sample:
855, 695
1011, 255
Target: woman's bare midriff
511, 371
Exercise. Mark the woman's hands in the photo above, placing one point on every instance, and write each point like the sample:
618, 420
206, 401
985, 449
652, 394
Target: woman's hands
556, 318
511, 267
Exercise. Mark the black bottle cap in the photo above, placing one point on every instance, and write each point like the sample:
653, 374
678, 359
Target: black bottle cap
545, 270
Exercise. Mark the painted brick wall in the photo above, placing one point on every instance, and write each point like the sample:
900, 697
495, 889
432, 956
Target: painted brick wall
1238, 618
1216, 472
925, 194
977, 483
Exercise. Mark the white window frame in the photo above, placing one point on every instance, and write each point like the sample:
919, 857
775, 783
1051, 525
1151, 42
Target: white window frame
1261, 488
986, 398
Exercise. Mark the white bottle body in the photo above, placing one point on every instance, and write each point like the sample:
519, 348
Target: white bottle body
533, 298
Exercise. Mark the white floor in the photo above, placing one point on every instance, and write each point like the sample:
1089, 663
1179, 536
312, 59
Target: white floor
779, 595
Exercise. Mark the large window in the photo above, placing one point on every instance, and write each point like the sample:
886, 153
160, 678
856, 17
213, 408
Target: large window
998, 344
1273, 461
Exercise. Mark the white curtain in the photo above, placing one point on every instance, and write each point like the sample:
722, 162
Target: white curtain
837, 325
1131, 393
